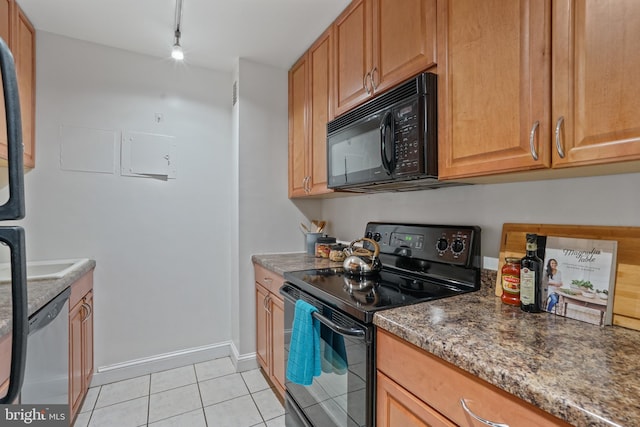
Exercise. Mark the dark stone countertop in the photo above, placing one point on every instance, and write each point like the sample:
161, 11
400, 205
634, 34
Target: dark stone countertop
39, 293
584, 374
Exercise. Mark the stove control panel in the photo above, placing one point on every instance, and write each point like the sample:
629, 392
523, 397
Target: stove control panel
457, 245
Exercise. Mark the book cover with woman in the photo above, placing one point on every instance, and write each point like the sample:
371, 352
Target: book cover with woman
579, 277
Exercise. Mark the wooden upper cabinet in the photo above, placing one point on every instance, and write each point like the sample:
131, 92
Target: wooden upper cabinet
493, 86
404, 40
537, 85
320, 111
6, 8
309, 111
25, 55
595, 85
298, 131
353, 63
380, 43
19, 34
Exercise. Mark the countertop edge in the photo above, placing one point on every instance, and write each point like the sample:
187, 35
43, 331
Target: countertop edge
39, 293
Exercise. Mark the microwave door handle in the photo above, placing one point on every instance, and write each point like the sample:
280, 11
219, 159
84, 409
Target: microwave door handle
14, 207
387, 127
14, 238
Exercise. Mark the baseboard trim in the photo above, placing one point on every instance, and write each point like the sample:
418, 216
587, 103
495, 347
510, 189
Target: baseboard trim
162, 362
245, 362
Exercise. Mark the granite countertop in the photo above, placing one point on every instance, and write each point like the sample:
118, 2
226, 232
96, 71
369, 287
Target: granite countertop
296, 261
39, 293
584, 374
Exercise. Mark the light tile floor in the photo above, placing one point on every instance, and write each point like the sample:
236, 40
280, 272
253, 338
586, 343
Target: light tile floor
202, 395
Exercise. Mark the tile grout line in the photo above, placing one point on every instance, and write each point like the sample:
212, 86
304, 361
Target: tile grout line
204, 414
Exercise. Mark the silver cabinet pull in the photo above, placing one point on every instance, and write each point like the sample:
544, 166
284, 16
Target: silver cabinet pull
267, 279
87, 307
305, 184
559, 137
532, 137
364, 83
372, 76
482, 420
267, 301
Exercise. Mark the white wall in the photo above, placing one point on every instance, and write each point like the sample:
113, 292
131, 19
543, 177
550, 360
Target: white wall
268, 221
162, 281
605, 200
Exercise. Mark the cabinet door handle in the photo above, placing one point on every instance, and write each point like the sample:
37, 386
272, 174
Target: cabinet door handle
89, 310
267, 299
364, 83
305, 184
267, 279
532, 137
372, 77
559, 137
482, 420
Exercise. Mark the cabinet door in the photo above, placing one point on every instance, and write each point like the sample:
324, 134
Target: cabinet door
493, 86
76, 375
262, 327
397, 407
298, 131
404, 40
277, 343
353, 63
25, 56
5, 32
319, 112
595, 85
87, 339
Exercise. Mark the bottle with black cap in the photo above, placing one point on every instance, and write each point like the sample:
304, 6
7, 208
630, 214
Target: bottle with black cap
531, 278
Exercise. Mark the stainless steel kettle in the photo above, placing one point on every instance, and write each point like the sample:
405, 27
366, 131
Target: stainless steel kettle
361, 261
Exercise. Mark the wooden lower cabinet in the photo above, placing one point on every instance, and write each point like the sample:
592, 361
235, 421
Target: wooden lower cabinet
397, 407
416, 388
80, 341
270, 326
5, 366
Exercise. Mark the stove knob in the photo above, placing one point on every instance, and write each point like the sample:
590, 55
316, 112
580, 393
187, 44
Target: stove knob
457, 246
442, 244
368, 234
377, 237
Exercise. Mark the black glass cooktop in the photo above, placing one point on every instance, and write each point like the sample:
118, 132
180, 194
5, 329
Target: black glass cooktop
361, 296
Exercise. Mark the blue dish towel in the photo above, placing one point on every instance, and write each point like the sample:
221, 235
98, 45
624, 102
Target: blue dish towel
304, 352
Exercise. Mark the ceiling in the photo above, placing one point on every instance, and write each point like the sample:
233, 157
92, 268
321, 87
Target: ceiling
214, 32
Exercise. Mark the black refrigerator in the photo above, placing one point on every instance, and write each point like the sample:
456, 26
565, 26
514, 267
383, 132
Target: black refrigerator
13, 236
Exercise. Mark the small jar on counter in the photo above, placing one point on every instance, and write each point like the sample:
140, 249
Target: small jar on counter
337, 253
511, 281
323, 246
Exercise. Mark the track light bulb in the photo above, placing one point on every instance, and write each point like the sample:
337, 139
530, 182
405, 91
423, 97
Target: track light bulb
176, 52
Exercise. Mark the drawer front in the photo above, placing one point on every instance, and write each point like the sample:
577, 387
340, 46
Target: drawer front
80, 287
442, 386
270, 280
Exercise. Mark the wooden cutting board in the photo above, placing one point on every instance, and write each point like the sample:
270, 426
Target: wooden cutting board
626, 295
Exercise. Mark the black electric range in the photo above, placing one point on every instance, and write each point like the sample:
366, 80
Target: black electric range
419, 263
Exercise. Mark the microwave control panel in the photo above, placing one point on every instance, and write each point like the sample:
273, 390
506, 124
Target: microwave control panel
408, 151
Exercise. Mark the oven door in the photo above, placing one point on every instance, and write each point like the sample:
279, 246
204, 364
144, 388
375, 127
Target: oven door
343, 394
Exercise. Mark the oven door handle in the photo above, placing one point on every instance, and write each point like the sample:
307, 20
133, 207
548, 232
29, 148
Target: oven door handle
351, 332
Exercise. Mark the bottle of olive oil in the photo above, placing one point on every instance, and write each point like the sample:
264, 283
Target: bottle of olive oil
531, 278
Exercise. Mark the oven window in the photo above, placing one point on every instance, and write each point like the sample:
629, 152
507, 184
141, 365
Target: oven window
338, 396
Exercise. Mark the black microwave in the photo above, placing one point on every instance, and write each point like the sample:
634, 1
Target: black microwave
389, 143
